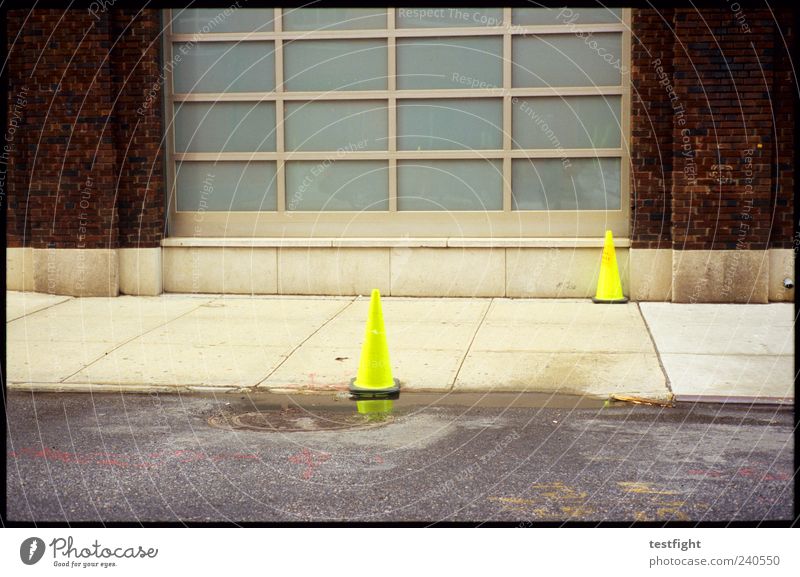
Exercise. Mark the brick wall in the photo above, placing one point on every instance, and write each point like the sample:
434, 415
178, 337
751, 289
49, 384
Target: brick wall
703, 94
784, 95
651, 128
86, 167
137, 88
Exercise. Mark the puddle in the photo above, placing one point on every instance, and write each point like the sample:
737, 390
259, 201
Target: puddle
411, 401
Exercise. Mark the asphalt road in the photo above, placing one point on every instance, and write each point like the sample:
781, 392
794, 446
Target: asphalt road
511, 458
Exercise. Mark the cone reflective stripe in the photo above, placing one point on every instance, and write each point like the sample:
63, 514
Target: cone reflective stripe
609, 286
374, 386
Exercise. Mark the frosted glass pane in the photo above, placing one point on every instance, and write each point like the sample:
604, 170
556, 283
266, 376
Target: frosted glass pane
345, 125
565, 184
450, 124
210, 20
452, 62
333, 18
567, 60
337, 185
565, 16
569, 122
224, 127
335, 65
450, 185
217, 186
224, 67
448, 17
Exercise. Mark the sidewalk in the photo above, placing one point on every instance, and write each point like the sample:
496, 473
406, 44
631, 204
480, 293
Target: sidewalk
209, 342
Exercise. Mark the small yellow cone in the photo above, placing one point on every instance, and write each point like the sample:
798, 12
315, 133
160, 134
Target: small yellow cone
609, 286
374, 369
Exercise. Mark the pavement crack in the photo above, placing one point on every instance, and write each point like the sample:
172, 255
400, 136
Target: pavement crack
655, 348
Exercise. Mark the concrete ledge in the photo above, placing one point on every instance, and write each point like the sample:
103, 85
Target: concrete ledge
19, 269
220, 270
463, 272
391, 242
244, 242
590, 242
720, 276
339, 271
76, 272
651, 274
781, 266
558, 272
140, 271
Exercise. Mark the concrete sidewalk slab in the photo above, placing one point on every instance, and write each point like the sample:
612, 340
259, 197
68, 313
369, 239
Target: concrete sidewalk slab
53, 342
36, 361
498, 336
176, 342
19, 304
199, 329
563, 346
312, 368
399, 309
717, 350
272, 308
182, 365
400, 335
562, 312
578, 373
760, 377
220, 342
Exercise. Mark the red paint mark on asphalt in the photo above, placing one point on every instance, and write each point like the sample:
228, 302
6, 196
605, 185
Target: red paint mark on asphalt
310, 459
378, 459
764, 475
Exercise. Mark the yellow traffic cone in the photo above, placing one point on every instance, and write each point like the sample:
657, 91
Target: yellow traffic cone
609, 286
374, 387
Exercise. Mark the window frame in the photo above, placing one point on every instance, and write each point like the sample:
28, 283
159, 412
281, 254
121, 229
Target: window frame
505, 223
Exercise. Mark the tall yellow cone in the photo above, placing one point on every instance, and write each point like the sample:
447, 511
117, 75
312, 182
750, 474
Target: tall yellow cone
374, 382
609, 286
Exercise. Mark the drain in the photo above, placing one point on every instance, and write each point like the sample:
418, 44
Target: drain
293, 420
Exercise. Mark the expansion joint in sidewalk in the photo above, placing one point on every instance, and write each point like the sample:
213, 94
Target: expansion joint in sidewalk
304, 341
137, 336
471, 341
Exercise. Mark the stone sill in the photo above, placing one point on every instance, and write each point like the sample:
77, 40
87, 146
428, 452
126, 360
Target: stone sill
589, 242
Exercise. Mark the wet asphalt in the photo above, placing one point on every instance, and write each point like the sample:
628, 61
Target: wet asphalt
522, 459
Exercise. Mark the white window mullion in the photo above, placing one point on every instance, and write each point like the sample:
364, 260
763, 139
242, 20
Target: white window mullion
280, 174
392, 105
507, 112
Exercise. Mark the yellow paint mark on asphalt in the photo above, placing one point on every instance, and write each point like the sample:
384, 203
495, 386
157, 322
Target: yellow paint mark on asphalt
578, 511
515, 500
558, 491
671, 514
643, 488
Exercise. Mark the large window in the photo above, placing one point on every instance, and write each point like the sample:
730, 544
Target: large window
398, 122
